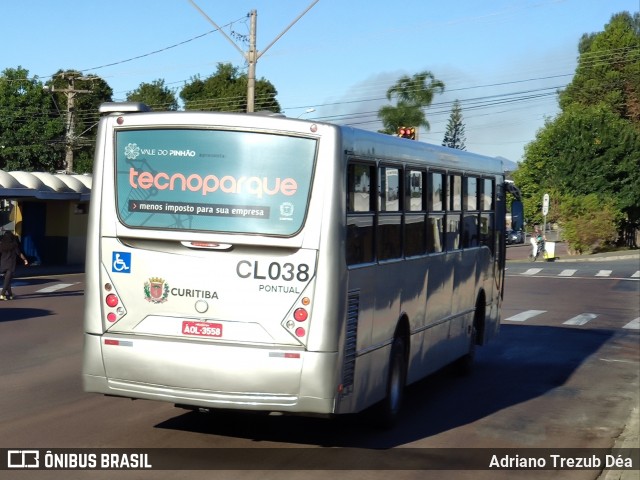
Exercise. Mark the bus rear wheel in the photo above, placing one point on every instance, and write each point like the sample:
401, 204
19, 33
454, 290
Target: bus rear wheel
465, 363
396, 381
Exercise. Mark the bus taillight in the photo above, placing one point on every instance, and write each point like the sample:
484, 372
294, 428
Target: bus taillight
115, 309
298, 320
111, 300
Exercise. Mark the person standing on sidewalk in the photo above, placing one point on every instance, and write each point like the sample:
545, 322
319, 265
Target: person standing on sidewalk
9, 252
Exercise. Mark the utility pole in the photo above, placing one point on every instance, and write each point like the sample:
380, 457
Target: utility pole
70, 136
252, 55
252, 58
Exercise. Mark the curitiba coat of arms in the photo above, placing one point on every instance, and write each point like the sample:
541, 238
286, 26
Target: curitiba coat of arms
156, 290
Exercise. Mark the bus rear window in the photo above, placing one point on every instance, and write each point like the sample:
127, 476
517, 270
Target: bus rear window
213, 180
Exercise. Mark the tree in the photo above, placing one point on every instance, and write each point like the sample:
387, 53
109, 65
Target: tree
584, 150
454, 135
591, 222
156, 95
608, 70
30, 125
412, 94
226, 91
593, 145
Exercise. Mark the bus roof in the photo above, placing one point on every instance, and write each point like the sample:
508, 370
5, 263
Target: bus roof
355, 141
359, 142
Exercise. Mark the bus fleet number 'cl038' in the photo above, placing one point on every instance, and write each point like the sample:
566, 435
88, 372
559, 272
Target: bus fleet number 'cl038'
273, 271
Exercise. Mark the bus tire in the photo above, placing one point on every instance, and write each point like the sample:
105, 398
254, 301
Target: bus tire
465, 363
396, 381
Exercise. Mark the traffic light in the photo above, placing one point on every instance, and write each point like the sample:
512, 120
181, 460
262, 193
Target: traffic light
407, 132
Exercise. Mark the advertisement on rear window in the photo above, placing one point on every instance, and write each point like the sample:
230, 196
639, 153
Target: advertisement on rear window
213, 180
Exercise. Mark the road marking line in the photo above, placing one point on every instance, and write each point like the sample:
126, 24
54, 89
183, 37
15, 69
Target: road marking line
614, 360
567, 273
636, 275
581, 319
604, 273
633, 324
521, 317
532, 271
54, 288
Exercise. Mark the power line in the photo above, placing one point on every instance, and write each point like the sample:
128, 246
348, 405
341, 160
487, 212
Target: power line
164, 49
469, 104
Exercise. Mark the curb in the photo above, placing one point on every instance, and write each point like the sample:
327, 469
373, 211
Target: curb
629, 438
602, 257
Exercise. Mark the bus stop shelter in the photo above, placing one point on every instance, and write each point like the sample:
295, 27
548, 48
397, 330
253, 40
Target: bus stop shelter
49, 212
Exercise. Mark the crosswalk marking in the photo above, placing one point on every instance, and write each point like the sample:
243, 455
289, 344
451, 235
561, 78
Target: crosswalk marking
570, 272
633, 324
567, 273
523, 316
580, 319
532, 271
604, 273
54, 288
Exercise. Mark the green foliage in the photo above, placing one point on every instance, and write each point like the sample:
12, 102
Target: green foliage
156, 95
400, 116
590, 222
454, 135
608, 71
584, 150
30, 126
593, 146
413, 94
34, 120
226, 91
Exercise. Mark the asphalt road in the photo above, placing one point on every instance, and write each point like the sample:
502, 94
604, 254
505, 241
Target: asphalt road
544, 383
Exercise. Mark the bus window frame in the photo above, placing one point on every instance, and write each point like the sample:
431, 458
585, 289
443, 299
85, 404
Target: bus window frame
356, 220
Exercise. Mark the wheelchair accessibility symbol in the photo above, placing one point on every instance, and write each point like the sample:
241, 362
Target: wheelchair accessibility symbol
121, 262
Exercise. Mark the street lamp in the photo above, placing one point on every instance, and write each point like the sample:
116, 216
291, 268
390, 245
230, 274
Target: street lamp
308, 110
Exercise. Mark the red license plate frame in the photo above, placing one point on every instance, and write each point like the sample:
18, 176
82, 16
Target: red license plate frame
201, 329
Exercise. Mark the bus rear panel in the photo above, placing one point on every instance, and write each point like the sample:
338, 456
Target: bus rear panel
187, 305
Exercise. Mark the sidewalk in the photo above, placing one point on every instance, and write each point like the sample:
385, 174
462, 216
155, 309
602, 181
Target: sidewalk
628, 439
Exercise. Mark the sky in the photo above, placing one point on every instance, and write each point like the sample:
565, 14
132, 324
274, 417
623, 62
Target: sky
504, 60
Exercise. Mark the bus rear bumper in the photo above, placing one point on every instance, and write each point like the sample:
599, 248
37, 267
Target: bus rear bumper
278, 380
213, 400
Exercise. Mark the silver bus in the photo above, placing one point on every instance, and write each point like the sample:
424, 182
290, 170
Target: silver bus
256, 262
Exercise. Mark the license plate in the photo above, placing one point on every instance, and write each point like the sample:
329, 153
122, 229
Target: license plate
202, 329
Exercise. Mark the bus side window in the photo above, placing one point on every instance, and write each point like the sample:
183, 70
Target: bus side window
360, 214
470, 235
415, 228
435, 206
487, 215
389, 231
454, 213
